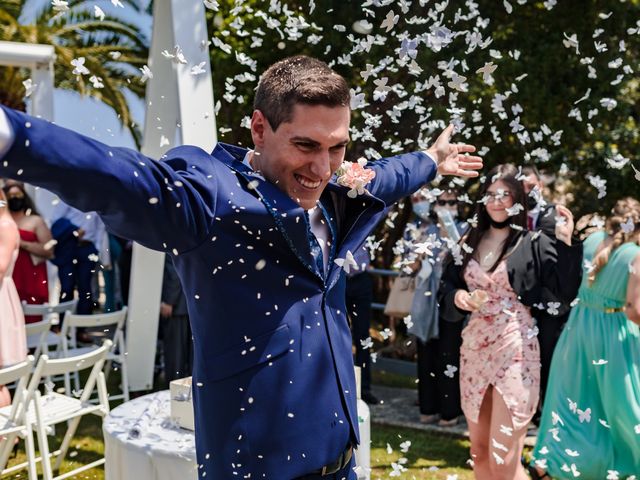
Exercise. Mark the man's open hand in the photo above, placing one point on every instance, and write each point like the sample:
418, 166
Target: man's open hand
451, 157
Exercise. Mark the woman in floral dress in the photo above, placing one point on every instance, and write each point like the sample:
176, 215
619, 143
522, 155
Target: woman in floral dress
504, 275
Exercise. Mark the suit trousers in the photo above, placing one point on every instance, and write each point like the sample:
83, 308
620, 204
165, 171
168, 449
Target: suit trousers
359, 297
439, 393
177, 346
78, 275
549, 330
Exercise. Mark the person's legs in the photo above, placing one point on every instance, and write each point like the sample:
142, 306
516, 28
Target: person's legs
506, 442
66, 275
359, 295
479, 435
448, 385
427, 391
549, 330
85, 271
5, 396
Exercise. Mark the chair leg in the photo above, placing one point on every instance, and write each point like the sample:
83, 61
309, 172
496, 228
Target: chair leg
125, 378
67, 384
76, 382
6, 446
43, 441
31, 455
71, 430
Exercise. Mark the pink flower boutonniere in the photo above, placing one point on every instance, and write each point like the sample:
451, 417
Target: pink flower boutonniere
355, 176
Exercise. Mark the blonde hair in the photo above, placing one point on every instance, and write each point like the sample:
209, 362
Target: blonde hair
625, 209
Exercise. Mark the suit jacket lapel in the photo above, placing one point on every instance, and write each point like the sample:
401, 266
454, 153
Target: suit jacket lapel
287, 214
354, 219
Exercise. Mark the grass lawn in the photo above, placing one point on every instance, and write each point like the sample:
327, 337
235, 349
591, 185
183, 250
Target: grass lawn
430, 456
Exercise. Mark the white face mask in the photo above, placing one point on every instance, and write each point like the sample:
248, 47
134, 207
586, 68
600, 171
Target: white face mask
421, 209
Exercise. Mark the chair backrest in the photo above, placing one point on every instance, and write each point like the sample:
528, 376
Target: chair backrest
38, 328
47, 367
73, 320
16, 372
50, 312
46, 309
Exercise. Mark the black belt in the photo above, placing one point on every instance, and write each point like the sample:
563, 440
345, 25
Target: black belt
337, 465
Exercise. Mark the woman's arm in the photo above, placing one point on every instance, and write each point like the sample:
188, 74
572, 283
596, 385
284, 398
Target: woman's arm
454, 300
43, 247
632, 307
8, 239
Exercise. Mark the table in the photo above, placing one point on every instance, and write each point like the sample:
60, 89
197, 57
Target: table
142, 442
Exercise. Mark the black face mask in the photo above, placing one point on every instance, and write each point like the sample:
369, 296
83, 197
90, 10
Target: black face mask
531, 202
500, 225
16, 204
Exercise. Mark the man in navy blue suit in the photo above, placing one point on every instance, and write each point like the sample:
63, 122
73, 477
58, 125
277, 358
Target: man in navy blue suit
255, 236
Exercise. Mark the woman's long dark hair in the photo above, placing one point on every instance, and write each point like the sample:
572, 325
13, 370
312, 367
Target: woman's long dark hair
507, 174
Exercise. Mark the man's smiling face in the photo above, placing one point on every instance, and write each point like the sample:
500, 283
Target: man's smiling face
301, 155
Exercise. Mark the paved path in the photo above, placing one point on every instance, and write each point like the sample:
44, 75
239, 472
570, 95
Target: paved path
398, 409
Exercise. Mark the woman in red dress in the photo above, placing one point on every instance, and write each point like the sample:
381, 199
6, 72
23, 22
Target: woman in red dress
36, 247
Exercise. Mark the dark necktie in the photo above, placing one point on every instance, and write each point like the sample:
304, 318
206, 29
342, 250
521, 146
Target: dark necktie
530, 222
314, 246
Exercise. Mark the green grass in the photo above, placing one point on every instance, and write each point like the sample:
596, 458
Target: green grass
389, 379
430, 456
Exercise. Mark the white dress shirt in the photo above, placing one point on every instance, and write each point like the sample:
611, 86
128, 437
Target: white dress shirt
6, 134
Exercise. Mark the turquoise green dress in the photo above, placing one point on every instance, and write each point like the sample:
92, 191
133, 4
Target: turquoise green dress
590, 424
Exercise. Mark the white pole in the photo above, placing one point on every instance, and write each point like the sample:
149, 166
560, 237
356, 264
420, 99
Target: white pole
180, 109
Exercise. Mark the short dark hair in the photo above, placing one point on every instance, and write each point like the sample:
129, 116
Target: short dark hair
531, 169
298, 79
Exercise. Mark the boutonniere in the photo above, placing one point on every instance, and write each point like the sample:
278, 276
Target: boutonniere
355, 176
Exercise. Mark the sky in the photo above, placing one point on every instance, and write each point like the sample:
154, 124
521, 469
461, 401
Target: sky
86, 115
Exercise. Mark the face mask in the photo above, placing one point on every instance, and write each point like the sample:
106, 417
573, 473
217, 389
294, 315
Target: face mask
16, 204
441, 210
421, 209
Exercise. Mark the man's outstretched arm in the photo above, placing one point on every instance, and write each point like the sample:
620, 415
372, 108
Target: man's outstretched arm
397, 177
166, 205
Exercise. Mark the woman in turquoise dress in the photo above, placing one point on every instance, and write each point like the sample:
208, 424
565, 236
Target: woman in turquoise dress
590, 425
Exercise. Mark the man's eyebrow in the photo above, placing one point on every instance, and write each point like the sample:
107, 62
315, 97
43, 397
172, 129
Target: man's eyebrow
315, 143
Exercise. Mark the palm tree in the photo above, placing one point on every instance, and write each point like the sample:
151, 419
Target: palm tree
113, 50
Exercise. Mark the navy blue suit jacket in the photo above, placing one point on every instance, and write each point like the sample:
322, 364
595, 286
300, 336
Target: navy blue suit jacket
274, 387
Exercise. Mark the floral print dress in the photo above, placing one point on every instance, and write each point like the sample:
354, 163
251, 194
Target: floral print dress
499, 348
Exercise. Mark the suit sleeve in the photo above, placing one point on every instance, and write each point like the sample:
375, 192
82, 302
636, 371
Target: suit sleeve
164, 205
450, 283
399, 176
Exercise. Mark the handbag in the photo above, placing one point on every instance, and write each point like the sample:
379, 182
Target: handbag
400, 297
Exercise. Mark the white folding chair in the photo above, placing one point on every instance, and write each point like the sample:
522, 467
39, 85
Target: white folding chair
13, 422
53, 408
69, 346
38, 337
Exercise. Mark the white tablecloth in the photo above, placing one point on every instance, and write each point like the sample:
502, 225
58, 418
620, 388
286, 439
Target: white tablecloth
143, 443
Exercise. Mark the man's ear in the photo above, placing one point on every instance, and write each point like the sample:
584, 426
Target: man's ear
259, 127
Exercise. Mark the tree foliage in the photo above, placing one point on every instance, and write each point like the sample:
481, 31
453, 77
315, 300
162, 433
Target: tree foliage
529, 110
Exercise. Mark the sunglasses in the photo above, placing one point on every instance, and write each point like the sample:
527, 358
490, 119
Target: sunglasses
442, 203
